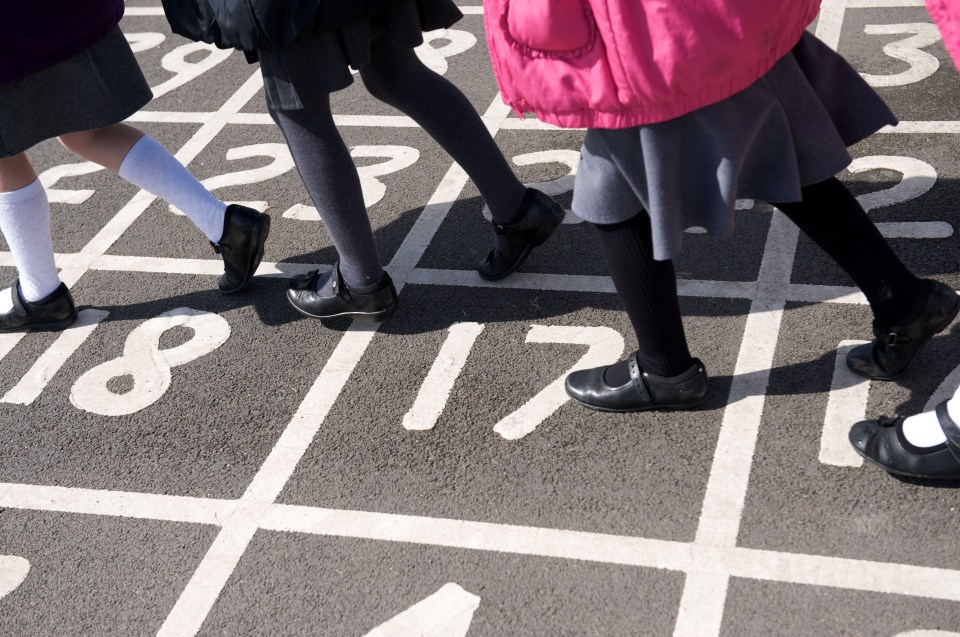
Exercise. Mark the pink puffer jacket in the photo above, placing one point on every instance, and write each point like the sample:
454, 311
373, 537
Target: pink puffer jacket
620, 63
946, 13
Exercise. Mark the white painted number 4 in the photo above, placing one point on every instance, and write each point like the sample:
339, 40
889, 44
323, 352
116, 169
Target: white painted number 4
446, 613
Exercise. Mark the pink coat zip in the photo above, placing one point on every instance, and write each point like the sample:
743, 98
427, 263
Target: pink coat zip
621, 63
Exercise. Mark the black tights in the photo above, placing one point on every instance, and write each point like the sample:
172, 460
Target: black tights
829, 214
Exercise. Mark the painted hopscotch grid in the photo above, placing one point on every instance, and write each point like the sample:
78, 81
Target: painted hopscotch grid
708, 562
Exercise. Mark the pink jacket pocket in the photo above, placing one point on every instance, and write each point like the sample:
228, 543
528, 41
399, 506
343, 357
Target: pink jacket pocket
549, 28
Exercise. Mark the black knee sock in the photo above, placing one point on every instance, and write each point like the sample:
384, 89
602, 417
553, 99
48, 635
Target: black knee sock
831, 216
397, 77
328, 172
648, 290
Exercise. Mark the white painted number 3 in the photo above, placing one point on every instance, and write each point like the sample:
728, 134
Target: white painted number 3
147, 364
922, 64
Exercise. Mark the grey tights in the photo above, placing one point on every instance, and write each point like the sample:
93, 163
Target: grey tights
397, 77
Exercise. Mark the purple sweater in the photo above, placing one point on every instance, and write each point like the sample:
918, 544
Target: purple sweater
36, 34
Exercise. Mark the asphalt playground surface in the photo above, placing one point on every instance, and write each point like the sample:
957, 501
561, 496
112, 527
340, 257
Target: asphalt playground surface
182, 462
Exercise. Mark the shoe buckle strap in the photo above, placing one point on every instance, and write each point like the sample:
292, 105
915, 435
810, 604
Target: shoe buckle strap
894, 338
636, 376
950, 429
891, 337
508, 231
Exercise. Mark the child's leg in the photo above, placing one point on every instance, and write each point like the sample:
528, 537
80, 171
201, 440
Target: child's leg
146, 164
328, 172
831, 216
907, 312
660, 374
397, 77
25, 223
648, 290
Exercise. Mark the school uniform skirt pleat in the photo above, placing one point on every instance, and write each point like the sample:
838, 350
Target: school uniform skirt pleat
304, 74
96, 88
789, 129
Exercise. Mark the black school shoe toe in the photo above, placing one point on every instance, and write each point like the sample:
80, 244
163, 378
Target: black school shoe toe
367, 305
882, 443
540, 218
53, 313
245, 232
893, 350
644, 391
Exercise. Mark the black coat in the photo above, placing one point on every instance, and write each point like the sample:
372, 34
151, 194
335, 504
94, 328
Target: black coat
36, 34
263, 25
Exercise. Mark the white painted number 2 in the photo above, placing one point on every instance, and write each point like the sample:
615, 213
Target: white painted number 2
282, 162
147, 364
554, 187
918, 178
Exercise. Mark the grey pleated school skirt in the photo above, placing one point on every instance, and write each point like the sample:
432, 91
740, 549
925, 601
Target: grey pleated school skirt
307, 72
98, 87
789, 129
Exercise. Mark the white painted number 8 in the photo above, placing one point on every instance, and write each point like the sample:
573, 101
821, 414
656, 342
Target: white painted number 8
147, 364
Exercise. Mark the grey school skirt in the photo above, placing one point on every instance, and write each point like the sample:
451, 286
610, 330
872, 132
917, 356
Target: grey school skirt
98, 87
789, 129
304, 74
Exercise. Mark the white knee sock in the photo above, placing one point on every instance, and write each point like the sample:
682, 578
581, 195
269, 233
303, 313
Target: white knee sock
924, 430
150, 166
25, 223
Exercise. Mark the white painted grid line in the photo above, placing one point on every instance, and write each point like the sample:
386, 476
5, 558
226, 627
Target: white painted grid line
774, 566
800, 292
705, 590
530, 123
847, 403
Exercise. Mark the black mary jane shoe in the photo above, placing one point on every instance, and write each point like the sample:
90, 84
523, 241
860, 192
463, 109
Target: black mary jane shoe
372, 304
882, 442
893, 350
50, 314
643, 392
540, 218
245, 232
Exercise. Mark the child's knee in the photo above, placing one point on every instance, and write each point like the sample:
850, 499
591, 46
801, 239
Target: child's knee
78, 141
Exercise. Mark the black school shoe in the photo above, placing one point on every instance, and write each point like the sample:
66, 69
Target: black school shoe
372, 304
893, 350
245, 232
882, 442
52, 313
644, 391
540, 219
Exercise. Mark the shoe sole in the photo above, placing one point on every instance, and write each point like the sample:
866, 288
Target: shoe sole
262, 230
904, 474
363, 317
943, 325
538, 241
653, 407
56, 326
